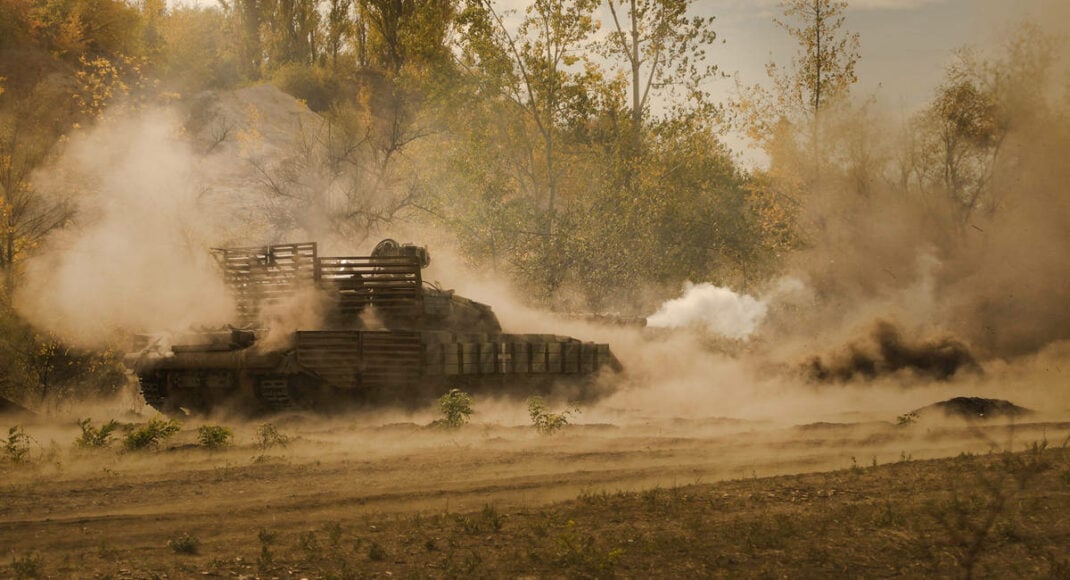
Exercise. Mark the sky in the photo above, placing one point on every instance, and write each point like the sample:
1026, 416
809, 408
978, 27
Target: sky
905, 44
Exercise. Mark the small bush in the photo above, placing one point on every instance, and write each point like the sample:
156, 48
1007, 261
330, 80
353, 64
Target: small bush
376, 553
151, 434
17, 446
266, 559
906, 419
27, 566
456, 408
184, 544
214, 436
268, 436
546, 422
95, 437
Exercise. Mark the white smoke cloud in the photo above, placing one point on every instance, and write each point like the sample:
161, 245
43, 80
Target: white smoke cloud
720, 310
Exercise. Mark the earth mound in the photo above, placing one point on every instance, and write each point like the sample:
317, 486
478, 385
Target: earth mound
976, 408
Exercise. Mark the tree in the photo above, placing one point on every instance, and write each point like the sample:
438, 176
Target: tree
821, 74
543, 75
663, 50
959, 144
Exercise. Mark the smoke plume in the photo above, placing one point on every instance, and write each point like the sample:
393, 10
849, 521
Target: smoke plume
136, 257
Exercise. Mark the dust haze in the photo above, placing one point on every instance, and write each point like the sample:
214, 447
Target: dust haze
895, 305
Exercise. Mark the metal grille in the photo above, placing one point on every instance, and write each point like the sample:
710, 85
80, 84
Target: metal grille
391, 284
260, 276
352, 359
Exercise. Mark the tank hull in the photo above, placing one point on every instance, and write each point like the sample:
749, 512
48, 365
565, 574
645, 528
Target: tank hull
386, 338
333, 370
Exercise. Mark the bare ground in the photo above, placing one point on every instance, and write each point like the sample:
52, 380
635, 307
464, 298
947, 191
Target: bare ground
359, 498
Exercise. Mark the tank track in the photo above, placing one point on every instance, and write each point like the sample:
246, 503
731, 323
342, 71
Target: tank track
274, 392
154, 390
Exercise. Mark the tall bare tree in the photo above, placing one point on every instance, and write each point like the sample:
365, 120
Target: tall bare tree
662, 49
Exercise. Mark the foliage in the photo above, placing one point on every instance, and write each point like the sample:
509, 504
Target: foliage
545, 421
268, 436
214, 437
790, 119
95, 437
907, 419
956, 145
456, 409
184, 544
663, 50
151, 434
17, 445
28, 566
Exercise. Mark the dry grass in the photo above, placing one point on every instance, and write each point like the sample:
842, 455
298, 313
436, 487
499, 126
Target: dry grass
994, 515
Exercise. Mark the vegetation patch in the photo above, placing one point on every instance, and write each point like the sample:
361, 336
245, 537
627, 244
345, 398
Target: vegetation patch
151, 434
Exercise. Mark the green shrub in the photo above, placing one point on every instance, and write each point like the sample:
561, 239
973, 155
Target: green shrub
151, 434
214, 436
456, 408
545, 421
376, 553
27, 566
95, 437
184, 544
268, 436
17, 446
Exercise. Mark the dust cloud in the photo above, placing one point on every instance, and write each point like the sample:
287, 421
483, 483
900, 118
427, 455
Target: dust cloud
136, 257
895, 305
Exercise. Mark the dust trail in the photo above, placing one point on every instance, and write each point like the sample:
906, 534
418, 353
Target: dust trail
135, 259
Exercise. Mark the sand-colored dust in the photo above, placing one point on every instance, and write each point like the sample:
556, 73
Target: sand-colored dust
75, 504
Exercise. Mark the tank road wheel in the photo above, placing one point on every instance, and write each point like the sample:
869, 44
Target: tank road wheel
154, 390
274, 392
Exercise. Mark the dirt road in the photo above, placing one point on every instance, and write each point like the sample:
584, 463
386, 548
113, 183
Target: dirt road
86, 512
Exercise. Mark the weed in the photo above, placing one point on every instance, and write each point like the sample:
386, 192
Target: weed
309, 544
266, 559
95, 437
108, 553
545, 421
214, 437
17, 446
907, 419
151, 434
456, 409
1023, 467
28, 566
184, 544
887, 517
585, 554
376, 553
334, 533
492, 518
268, 436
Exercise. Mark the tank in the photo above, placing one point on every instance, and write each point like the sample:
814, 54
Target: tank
381, 336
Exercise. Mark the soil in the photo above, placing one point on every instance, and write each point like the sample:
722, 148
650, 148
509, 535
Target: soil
377, 497
976, 408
